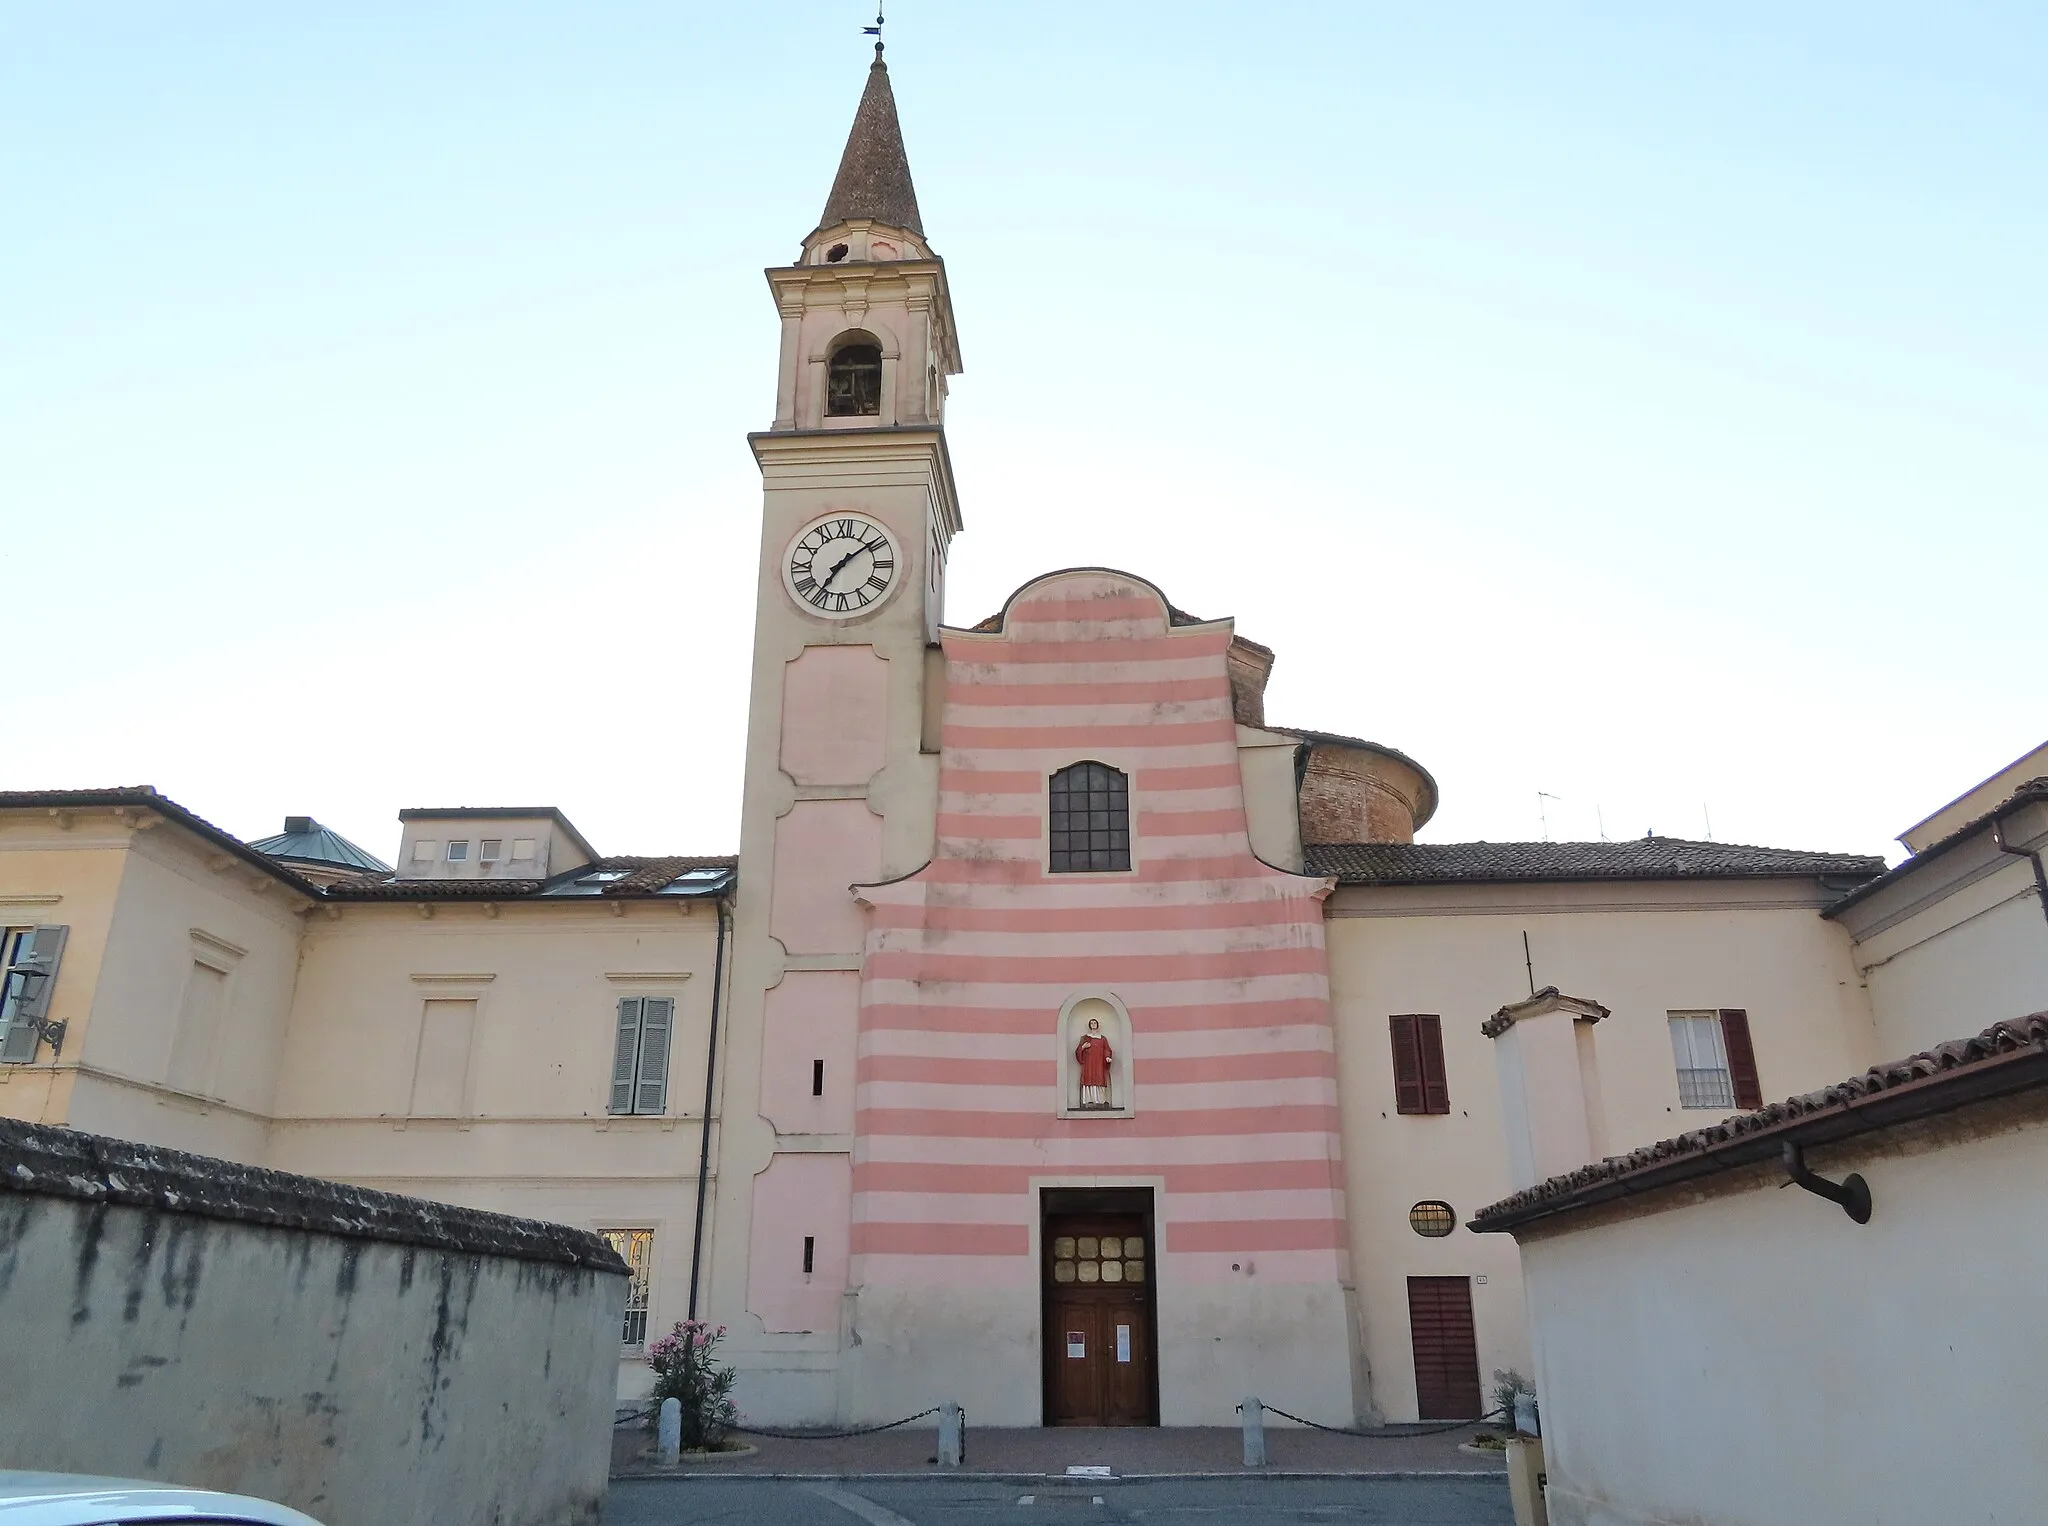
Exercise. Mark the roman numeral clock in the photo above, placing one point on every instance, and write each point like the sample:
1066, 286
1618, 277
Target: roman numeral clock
840, 566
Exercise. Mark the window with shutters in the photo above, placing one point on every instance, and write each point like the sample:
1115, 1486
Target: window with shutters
1090, 824
1420, 1085
1715, 1060
29, 957
640, 1055
636, 1249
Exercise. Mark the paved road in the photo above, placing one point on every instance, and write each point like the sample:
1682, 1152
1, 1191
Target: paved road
981, 1502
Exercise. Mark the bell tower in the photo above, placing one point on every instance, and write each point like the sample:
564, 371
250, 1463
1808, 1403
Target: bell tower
858, 509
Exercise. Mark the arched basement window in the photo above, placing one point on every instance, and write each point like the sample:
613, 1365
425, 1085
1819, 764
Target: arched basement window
853, 381
1091, 819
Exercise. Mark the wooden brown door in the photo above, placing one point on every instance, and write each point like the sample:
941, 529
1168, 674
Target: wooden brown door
1099, 1360
1446, 1354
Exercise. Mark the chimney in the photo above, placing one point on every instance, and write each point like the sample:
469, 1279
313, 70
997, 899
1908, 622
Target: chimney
298, 826
1549, 1084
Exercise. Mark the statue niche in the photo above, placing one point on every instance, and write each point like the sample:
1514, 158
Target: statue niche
1095, 1064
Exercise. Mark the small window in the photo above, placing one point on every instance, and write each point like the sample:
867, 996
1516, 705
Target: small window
640, 1055
522, 849
853, 381
1420, 1083
1715, 1061
424, 850
810, 1253
458, 852
817, 1078
1090, 808
1432, 1220
636, 1249
490, 850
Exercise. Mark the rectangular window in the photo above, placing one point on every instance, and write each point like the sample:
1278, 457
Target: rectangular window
817, 1078
636, 1249
810, 1253
29, 957
424, 850
458, 852
490, 850
522, 849
640, 1055
1420, 1083
1702, 1046
440, 1076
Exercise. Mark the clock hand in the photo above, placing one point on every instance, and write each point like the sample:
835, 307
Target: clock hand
840, 565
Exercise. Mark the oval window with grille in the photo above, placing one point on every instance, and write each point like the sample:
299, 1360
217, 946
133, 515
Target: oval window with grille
1432, 1219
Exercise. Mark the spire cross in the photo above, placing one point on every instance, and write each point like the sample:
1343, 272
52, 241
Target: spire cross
875, 31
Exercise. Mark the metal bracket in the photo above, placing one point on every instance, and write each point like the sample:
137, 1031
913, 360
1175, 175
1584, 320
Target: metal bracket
1852, 1192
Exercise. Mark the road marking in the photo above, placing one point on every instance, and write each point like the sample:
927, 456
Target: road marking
1027, 1499
854, 1504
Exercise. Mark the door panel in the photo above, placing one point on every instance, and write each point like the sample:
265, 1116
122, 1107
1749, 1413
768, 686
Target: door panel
1099, 1333
1446, 1352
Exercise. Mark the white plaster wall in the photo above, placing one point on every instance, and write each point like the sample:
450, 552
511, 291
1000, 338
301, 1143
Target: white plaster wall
362, 1382
1641, 950
1760, 1360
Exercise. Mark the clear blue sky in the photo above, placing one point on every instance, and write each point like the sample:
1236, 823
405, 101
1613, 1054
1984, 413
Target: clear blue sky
1643, 404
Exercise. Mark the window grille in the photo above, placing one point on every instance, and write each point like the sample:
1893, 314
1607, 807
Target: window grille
636, 1249
1091, 819
1432, 1219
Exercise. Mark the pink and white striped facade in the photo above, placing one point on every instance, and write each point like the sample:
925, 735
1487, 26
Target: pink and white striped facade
1217, 958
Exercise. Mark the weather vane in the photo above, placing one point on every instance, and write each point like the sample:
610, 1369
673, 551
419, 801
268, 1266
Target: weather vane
875, 31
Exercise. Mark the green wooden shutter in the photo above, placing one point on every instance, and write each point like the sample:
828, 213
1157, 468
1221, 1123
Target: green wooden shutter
625, 1052
656, 1019
40, 953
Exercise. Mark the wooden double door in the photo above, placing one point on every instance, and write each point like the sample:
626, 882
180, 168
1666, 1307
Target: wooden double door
1101, 1366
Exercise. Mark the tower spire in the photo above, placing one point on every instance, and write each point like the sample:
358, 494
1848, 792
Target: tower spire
874, 172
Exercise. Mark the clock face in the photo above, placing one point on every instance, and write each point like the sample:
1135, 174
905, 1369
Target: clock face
842, 566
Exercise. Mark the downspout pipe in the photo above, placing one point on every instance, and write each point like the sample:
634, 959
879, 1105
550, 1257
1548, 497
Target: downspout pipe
2033, 855
710, 1089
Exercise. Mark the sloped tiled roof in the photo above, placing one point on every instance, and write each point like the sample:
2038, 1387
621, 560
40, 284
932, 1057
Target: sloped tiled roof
1642, 858
874, 172
319, 845
146, 797
2027, 794
616, 876
2005, 1058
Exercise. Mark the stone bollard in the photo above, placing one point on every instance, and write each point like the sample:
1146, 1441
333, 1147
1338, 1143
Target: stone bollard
950, 1439
669, 1432
1254, 1433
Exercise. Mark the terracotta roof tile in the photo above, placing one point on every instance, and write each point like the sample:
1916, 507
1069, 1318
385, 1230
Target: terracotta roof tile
1643, 858
2019, 799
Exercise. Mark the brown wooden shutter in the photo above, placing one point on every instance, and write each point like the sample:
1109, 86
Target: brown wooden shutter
1749, 1091
1436, 1086
1408, 1091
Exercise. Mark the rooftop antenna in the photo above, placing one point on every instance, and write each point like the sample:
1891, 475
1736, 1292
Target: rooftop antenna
1602, 822
875, 31
1543, 815
1528, 963
1709, 815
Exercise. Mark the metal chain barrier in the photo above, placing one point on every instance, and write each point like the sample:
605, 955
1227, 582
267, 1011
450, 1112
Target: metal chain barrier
1383, 1433
866, 1430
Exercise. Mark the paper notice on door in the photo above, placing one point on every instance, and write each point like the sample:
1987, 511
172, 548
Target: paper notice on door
1123, 1343
1077, 1343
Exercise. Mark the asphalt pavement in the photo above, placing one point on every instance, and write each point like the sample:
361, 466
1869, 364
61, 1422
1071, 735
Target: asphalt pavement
700, 1501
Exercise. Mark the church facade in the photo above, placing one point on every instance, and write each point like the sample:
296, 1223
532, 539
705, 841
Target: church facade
1064, 1040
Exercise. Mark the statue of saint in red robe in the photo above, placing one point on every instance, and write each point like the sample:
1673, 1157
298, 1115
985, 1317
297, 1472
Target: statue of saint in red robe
1093, 1054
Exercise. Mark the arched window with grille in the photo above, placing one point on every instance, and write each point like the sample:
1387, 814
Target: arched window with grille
853, 379
1091, 819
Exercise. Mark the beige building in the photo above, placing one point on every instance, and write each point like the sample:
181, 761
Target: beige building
828, 1091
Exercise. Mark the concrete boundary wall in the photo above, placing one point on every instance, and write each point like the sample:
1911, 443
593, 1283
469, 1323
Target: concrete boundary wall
370, 1359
